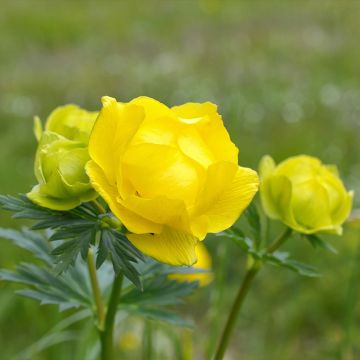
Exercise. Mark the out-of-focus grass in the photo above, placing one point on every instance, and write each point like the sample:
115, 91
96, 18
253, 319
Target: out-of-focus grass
286, 77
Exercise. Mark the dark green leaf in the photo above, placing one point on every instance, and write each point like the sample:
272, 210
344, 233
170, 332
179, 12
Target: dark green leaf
317, 242
159, 290
121, 259
160, 315
253, 219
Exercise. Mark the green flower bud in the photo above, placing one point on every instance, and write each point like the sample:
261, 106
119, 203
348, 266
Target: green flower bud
61, 158
304, 194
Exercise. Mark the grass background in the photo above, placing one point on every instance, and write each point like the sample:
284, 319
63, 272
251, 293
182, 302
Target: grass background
286, 78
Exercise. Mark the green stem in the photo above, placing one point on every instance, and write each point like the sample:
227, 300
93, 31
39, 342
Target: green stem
107, 334
96, 289
148, 341
231, 321
241, 295
279, 241
100, 208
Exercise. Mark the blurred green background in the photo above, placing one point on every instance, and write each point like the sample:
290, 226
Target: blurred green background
286, 78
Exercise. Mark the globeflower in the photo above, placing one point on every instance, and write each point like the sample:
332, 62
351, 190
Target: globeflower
171, 175
304, 194
61, 158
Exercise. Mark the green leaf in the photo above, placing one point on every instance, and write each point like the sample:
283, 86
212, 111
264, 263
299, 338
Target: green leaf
159, 290
244, 242
281, 259
160, 315
77, 230
253, 219
29, 240
122, 258
317, 242
67, 252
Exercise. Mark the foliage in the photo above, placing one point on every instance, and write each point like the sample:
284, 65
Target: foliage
72, 289
75, 231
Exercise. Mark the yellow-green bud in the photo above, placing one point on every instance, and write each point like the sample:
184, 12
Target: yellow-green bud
61, 158
304, 194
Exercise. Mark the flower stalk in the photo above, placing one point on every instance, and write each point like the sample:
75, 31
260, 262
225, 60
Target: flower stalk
96, 289
241, 295
107, 334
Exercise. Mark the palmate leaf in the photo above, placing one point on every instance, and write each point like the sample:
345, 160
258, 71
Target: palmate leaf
159, 290
74, 231
160, 315
72, 289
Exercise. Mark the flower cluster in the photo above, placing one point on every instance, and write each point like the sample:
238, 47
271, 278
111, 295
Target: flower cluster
171, 175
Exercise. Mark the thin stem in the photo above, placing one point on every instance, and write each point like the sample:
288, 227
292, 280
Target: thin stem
147, 341
279, 241
231, 321
96, 289
100, 208
107, 334
241, 295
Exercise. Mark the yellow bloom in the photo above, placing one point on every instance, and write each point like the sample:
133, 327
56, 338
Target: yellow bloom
170, 175
304, 194
61, 158
203, 262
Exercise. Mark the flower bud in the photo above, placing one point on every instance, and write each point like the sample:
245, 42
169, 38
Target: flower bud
304, 194
61, 158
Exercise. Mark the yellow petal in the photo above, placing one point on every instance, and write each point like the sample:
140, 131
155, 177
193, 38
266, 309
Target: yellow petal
233, 201
193, 146
310, 206
210, 126
275, 195
155, 170
218, 178
160, 130
170, 246
299, 168
38, 130
132, 221
266, 166
343, 212
204, 262
153, 108
113, 130
160, 209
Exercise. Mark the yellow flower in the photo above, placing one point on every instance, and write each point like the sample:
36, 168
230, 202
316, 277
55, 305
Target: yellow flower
203, 263
61, 158
304, 194
170, 175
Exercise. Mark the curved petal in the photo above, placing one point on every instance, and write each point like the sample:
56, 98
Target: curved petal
170, 246
132, 221
232, 202
156, 170
153, 108
63, 204
160, 209
275, 193
343, 212
208, 122
72, 122
266, 166
204, 262
310, 206
113, 130
298, 168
